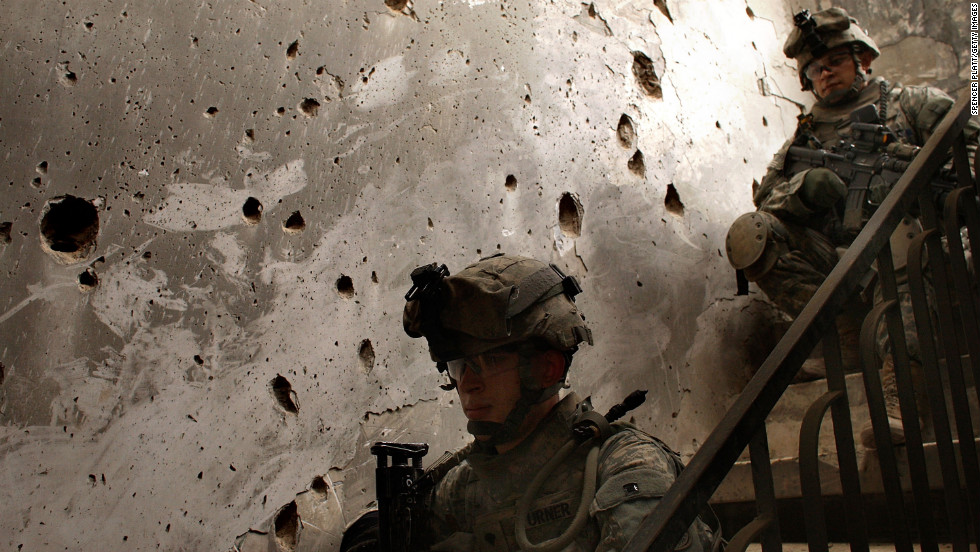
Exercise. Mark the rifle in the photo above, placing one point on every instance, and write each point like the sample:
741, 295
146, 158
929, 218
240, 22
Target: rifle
401, 490
872, 160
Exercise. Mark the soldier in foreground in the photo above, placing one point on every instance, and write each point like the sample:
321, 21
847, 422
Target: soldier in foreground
504, 331
809, 215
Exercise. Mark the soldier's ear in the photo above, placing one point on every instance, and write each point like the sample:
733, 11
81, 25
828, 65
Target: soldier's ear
551, 367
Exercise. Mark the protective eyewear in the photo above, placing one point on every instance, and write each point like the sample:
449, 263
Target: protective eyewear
485, 365
832, 62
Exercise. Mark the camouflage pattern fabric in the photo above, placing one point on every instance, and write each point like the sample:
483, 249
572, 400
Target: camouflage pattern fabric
913, 114
473, 507
807, 256
500, 300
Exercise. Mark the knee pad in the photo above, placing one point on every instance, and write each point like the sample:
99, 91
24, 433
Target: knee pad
754, 243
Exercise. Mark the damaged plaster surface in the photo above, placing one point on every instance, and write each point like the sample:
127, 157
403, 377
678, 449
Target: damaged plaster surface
208, 223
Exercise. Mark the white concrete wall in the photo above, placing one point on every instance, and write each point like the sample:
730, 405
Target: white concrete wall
138, 411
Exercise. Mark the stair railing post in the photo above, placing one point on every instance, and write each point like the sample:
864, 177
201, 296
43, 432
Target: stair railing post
765, 492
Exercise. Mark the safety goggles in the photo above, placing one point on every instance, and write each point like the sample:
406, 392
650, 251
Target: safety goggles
832, 61
486, 365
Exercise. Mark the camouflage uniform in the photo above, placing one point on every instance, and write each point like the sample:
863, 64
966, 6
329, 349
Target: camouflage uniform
497, 304
475, 504
807, 240
791, 243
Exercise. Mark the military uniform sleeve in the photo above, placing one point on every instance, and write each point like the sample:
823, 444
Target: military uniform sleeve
780, 195
773, 177
925, 107
634, 474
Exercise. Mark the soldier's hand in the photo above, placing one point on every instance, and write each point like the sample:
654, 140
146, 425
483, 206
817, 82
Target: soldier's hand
822, 189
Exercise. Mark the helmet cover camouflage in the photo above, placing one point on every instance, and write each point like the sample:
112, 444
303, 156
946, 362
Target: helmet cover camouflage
498, 301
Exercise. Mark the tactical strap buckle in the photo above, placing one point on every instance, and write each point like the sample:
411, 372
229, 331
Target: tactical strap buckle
568, 283
424, 278
543, 284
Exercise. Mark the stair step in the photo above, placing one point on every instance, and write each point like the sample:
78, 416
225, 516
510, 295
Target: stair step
783, 429
737, 486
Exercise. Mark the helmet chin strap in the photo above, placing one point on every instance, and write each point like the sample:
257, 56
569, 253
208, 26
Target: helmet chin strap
509, 429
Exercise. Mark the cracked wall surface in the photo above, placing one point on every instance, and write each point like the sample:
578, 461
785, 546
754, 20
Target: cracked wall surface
211, 210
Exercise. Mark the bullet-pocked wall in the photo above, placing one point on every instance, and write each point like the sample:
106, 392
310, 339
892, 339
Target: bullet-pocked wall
210, 211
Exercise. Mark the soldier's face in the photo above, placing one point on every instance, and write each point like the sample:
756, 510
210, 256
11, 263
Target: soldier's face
489, 395
833, 72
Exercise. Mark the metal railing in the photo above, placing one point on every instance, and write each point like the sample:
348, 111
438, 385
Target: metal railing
942, 287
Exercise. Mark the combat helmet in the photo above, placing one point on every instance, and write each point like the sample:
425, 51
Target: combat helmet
499, 301
815, 35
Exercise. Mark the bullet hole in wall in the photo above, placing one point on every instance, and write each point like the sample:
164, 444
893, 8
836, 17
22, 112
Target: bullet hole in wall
287, 526
69, 227
570, 215
249, 135
36, 182
662, 5
252, 211
294, 224
429, 224
284, 394
211, 112
636, 164
626, 132
67, 78
309, 107
511, 183
345, 286
320, 487
366, 353
88, 280
293, 50
374, 277
646, 75
42, 167
673, 201
5, 228
397, 5
198, 360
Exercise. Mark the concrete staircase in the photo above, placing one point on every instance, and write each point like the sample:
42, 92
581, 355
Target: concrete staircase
734, 498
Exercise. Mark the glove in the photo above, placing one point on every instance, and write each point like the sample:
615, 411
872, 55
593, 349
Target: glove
822, 189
